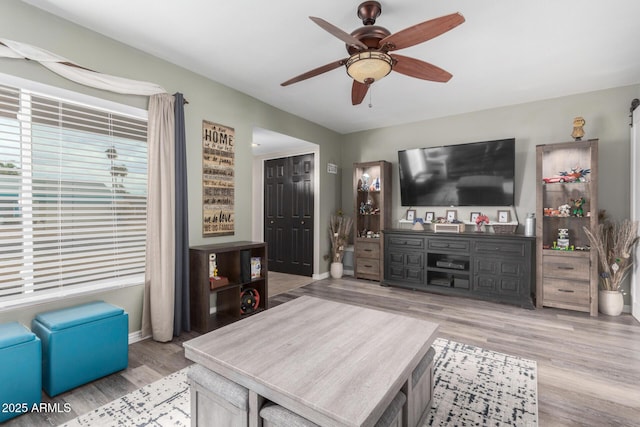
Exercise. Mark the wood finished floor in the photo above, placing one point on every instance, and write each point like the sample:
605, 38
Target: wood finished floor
588, 368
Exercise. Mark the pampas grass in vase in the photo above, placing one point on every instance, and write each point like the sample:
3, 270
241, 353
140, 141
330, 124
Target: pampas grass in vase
340, 227
614, 242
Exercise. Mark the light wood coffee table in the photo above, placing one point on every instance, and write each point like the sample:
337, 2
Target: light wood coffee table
335, 364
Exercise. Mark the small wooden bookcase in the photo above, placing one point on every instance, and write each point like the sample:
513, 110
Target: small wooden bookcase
234, 264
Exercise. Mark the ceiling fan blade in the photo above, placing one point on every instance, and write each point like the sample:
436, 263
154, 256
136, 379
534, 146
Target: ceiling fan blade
421, 32
337, 32
315, 72
358, 92
419, 69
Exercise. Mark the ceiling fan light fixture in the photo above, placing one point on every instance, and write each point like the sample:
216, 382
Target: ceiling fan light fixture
369, 66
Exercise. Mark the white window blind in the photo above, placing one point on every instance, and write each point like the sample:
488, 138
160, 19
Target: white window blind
73, 191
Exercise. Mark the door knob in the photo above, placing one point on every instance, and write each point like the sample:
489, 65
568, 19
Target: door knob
301, 222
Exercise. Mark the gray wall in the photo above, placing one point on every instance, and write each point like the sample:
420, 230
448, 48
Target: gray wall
208, 100
550, 121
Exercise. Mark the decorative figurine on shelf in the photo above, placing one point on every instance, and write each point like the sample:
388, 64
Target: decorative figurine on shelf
215, 281
564, 210
563, 239
418, 224
576, 174
578, 206
481, 220
365, 182
578, 131
376, 183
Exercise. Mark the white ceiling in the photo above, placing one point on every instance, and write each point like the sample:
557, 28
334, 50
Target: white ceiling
507, 52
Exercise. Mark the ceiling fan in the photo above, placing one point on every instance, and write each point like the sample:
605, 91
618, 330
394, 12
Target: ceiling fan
369, 59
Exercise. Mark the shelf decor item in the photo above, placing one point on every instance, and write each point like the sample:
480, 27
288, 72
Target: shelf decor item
481, 221
614, 243
504, 216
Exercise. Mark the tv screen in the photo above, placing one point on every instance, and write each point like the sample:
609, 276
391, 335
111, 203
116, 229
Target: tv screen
475, 174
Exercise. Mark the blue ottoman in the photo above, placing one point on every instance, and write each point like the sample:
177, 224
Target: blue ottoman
21, 372
81, 344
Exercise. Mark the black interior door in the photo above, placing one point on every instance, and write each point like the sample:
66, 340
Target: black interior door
288, 214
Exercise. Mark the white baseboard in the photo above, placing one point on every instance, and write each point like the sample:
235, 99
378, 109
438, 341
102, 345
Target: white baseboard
136, 336
324, 275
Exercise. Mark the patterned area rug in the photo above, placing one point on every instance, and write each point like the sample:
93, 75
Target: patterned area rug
473, 387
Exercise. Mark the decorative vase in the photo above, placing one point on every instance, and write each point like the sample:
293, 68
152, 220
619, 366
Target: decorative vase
336, 270
610, 302
480, 227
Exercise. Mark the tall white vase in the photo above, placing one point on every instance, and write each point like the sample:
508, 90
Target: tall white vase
610, 302
336, 270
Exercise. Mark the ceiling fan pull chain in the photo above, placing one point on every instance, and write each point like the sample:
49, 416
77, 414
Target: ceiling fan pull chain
370, 91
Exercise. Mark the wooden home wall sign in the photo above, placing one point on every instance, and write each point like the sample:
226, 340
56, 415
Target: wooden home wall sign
218, 217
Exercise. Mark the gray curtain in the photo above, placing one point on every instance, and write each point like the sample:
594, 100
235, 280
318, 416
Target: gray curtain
181, 322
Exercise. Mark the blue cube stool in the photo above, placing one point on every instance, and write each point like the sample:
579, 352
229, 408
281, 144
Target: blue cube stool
21, 372
81, 344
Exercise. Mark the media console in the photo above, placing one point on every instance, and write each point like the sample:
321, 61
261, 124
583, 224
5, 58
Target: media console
493, 267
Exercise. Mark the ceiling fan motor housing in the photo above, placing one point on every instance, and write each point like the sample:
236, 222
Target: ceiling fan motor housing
369, 11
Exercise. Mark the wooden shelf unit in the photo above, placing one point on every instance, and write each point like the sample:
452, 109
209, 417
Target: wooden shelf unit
566, 279
228, 297
368, 225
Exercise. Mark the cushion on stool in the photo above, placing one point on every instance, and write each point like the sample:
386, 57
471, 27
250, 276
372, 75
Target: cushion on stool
277, 416
232, 392
390, 415
216, 400
14, 333
21, 372
426, 361
58, 320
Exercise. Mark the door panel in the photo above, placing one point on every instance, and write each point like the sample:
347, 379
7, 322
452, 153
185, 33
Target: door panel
288, 222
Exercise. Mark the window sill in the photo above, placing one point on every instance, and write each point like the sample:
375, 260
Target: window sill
77, 291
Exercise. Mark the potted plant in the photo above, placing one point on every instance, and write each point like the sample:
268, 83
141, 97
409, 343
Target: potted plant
340, 227
614, 242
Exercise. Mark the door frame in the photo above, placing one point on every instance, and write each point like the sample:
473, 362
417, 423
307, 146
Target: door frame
635, 209
257, 230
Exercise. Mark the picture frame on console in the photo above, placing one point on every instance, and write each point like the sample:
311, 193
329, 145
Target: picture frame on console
411, 215
473, 217
452, 215
429, 216
504, 216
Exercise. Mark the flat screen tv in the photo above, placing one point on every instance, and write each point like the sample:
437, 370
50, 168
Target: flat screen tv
475, 174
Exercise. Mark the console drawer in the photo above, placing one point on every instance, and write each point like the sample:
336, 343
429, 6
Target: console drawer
498, 247
405, 242
449, 244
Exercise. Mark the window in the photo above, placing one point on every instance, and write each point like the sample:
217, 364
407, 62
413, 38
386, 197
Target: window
73, 191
